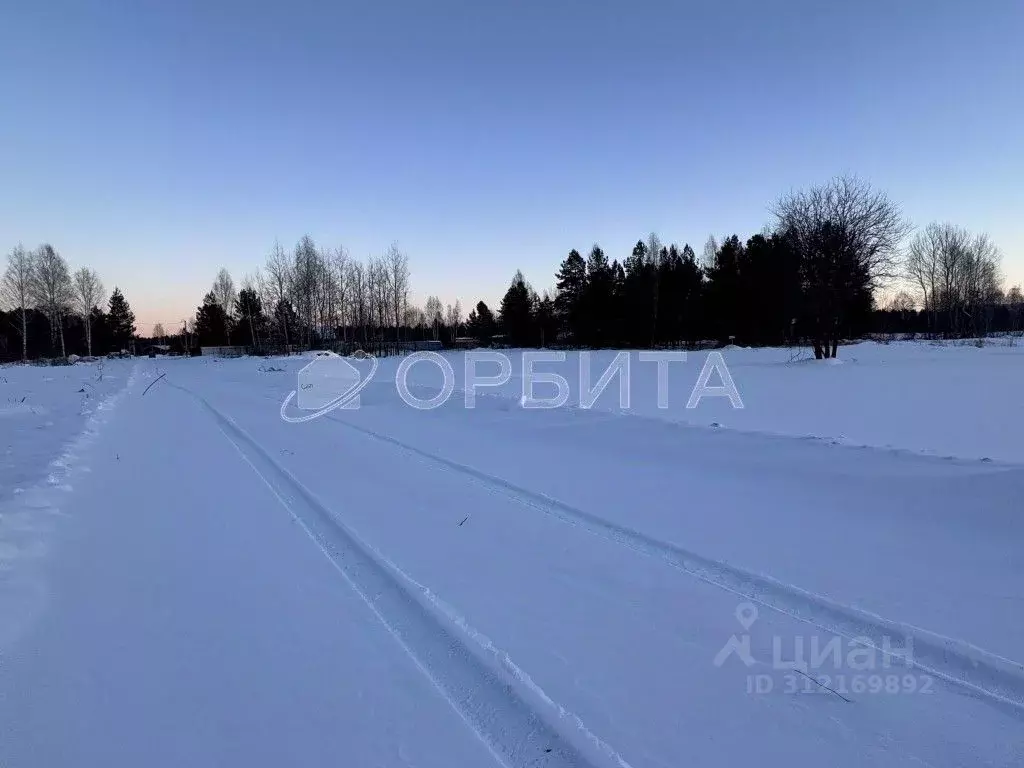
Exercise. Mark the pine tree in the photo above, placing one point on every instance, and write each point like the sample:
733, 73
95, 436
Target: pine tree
669, 307
101, 333
547, 322
723, 289
211, 322
481, 323
516, 314
597, 299
689, 294
571, 283
638, 295
249, 310
120, 321
286, 322
617, 322
770, 292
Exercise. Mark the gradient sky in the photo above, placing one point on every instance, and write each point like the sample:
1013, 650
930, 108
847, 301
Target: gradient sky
159, 141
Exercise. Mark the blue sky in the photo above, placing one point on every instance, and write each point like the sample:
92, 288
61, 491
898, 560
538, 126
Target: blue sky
158, 142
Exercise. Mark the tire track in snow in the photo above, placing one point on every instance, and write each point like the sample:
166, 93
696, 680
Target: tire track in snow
956, 662
515, 719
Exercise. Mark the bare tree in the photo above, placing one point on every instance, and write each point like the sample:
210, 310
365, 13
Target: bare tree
224, 292
333, 294
51, 288
1015, 302
847, 237
901, 302
324, 288
158, 331
453, 317
276, 287
980, 284
434, 312
710, 253
359, 301
339, 270
88, 293
305, 275
413, 317
380, 298
922, 268
16, 287
397, 271
956, 275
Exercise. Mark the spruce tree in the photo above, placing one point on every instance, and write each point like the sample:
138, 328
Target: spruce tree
120, 321
286, 322
211, 322
690, 295
251, 320
482, 323
597, 301
638, 295
723, 289
547, 322
517, 313
571, 283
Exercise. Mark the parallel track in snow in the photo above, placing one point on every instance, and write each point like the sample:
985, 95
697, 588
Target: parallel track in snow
978, 672
513, 717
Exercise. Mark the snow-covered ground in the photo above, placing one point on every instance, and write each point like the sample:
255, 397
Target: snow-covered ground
943, 399
41, 410
208, 584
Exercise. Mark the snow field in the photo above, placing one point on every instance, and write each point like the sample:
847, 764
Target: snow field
499, 586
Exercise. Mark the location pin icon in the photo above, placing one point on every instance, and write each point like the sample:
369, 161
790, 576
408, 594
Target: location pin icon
746, 614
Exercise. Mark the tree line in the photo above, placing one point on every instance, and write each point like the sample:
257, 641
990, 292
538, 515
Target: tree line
312, 297
814, 276
46, 310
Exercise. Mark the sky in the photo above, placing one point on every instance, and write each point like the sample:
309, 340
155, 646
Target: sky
158, 142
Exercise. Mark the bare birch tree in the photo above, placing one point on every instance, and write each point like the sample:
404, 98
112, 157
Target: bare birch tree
225, 295
16, 287
338, 298
453, 317
303, 288
380, 298
276, 288
434, 311
51, 289
397, 274
359, 301
956, 275
88, 293
339, 275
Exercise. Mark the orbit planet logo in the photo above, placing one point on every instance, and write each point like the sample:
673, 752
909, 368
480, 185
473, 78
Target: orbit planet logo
326, 383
